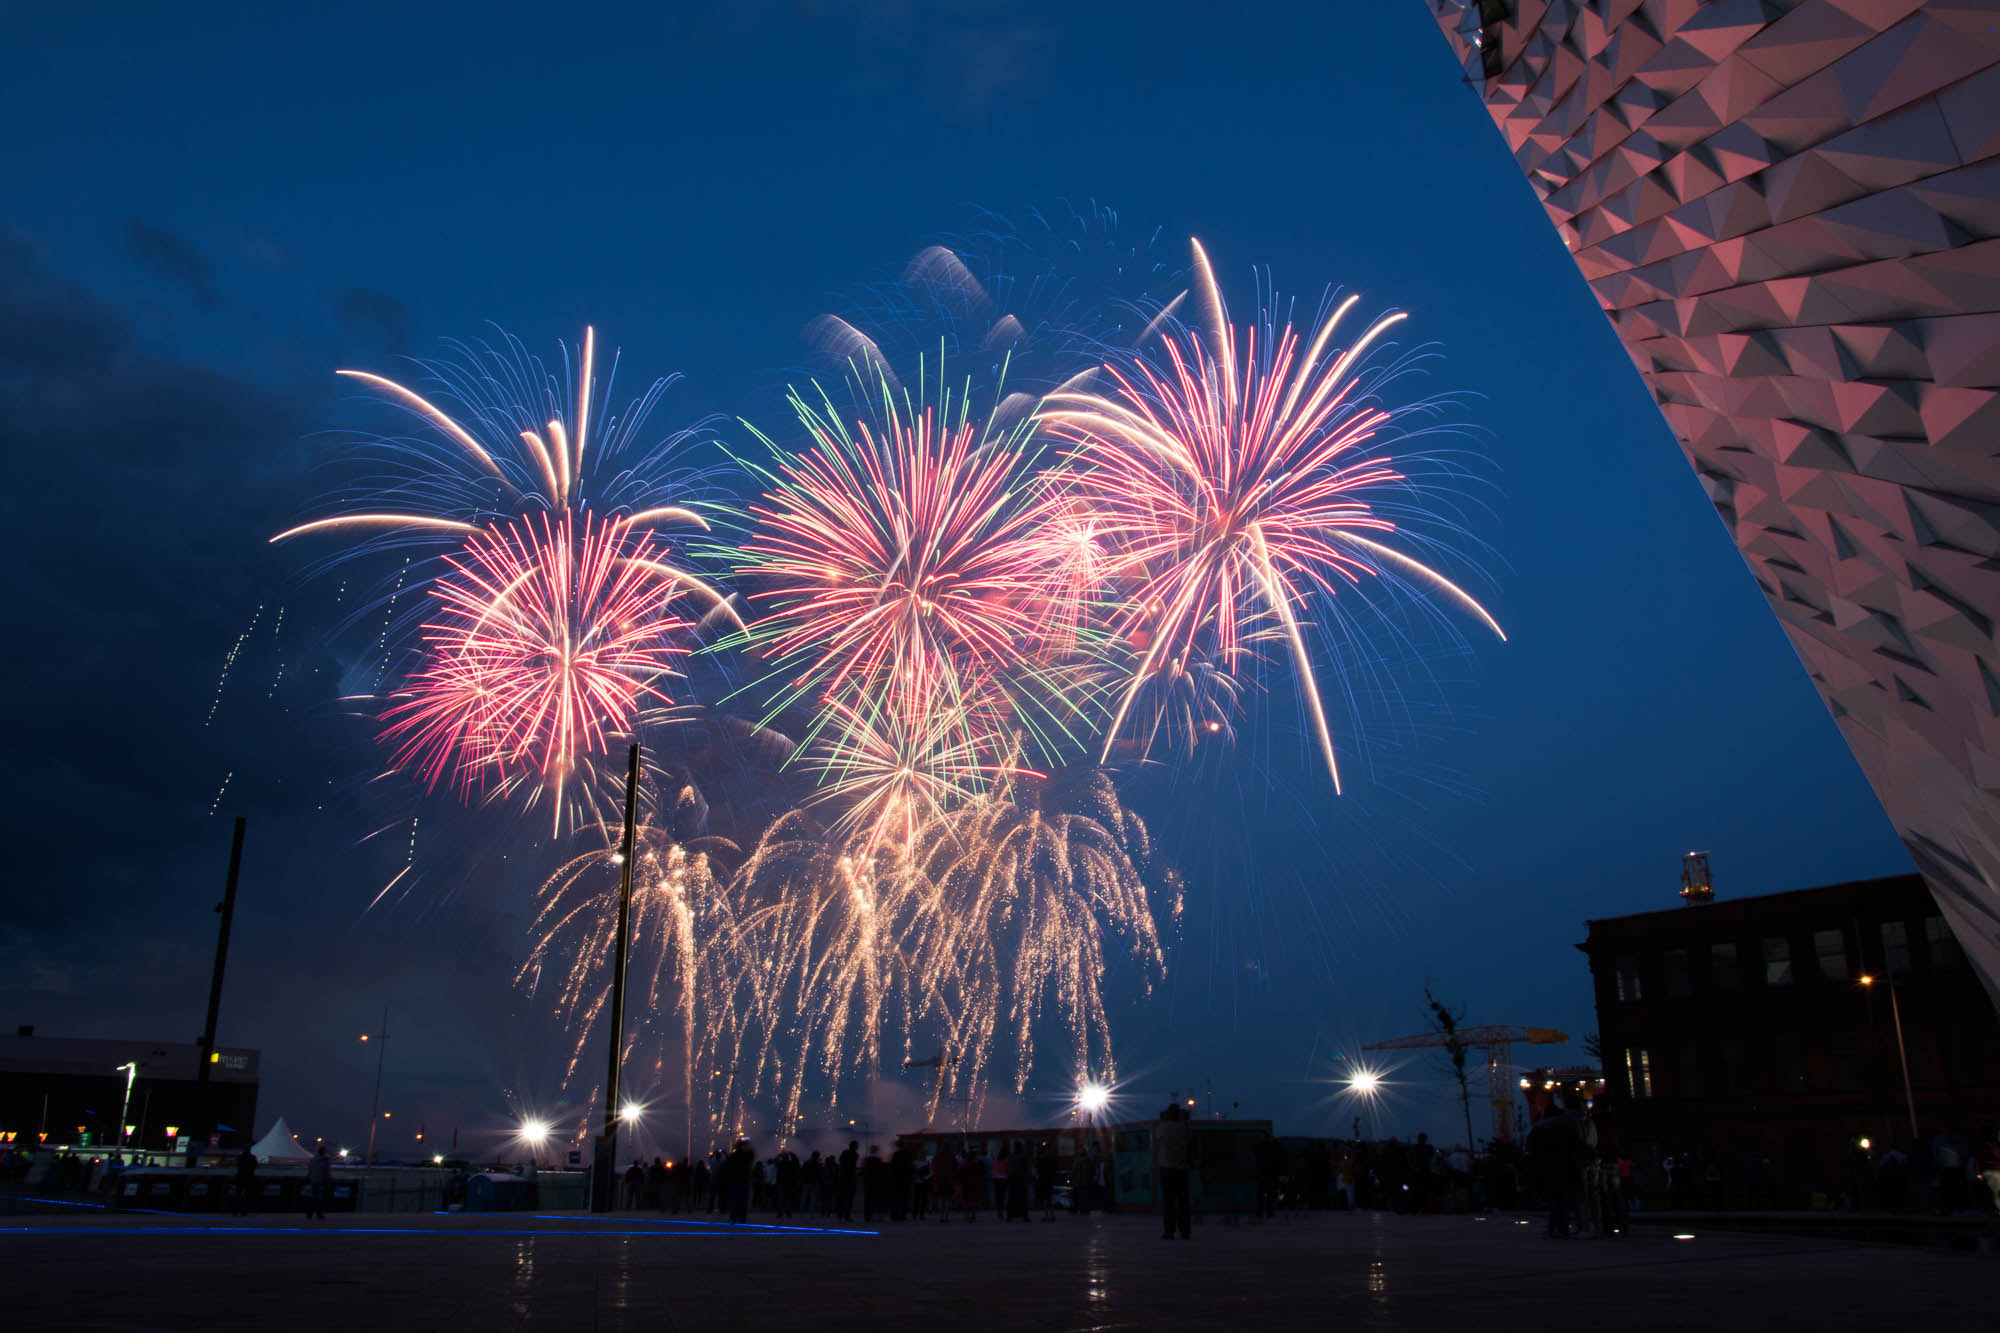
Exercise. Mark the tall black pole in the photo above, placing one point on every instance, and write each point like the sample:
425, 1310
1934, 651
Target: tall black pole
205, 1124
604, 1173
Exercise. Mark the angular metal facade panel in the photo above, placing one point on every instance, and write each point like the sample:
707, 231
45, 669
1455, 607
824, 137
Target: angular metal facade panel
1790, 211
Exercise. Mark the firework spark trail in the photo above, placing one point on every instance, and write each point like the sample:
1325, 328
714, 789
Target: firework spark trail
388, 619
216, 804
229, 660
678, 905
998, 915
277, 632
1234, 484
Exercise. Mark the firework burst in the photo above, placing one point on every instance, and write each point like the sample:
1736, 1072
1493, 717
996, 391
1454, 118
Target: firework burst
548, 639
1235, 484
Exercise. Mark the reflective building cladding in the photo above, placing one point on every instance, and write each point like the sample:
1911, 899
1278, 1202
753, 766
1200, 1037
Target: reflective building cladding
1790, 211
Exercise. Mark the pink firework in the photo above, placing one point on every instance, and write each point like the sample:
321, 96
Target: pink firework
902, 558
1231, 486
551, 635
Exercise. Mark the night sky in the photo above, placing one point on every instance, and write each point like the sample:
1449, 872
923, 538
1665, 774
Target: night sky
207, 216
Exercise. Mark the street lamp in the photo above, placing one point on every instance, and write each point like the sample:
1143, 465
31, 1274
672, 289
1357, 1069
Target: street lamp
1366, 1084
381, 1053
631, 1112
1902, 1052
131, 1071
1093, 1098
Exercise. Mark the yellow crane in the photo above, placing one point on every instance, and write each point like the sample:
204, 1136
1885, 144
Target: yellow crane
1495, 1041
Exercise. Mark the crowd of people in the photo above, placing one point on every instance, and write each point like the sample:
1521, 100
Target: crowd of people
1016, 1183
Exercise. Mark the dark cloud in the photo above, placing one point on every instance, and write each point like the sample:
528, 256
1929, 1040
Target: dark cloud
373, 314
167, 255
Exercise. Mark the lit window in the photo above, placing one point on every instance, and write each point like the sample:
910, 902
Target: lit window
1628, 979
1638, 1072
1896, 948
1675, 964
1722, 966
1777, 961
1939, 944
1831, 948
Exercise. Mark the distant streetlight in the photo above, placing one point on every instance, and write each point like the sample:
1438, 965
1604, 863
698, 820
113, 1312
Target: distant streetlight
1902, 1052
131, 1071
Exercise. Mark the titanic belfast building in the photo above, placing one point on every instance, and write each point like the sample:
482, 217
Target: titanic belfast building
1790, 211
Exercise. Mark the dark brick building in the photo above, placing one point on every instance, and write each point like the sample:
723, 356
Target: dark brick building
1739, 1031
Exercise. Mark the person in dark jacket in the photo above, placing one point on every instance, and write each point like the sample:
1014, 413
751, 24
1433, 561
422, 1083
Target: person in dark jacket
319, 1183
1173, 1154
246, 1183
736, 1169
843, 1181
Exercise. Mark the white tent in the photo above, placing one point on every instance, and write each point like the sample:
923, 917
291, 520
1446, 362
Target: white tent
278, 1145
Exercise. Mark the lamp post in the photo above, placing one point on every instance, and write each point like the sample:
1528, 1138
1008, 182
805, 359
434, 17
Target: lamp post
604, 1163
381, 1040
131, 1071
1902, 1052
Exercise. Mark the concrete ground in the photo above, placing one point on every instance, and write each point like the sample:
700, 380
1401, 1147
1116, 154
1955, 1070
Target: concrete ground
75, 1269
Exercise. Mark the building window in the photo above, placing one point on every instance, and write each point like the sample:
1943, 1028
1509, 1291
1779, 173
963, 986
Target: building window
1777, 961
1843, 1049
1628, 979
1896, 948
1788, 1064
1675, 964
1638, 1072
1939, 944
1687, 1070
1722, 966
1736, 1067
1831, 948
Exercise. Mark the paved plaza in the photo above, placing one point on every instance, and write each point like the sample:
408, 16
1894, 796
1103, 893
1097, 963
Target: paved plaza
390, 1273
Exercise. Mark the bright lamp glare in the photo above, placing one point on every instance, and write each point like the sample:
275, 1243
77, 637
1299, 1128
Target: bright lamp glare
629, 1113
534, 1131
1093, 1097
1365, 1081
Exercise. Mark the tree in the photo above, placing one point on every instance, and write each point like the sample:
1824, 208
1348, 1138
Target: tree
1446, 1023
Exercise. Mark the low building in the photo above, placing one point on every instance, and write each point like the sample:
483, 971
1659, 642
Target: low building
1757, 1042
69, 1091
1223, 1179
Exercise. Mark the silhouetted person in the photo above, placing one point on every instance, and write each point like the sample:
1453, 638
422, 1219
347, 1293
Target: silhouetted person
1173, 1150
788, 1171
246, 1183
813, 1194
1045, 1180
319, 1183
1020, 1182
971, 1183
635, 1184
843, 1181
736, 1169
944, 1179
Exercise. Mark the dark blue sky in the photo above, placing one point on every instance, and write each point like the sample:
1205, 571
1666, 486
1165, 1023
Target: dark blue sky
209, 215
